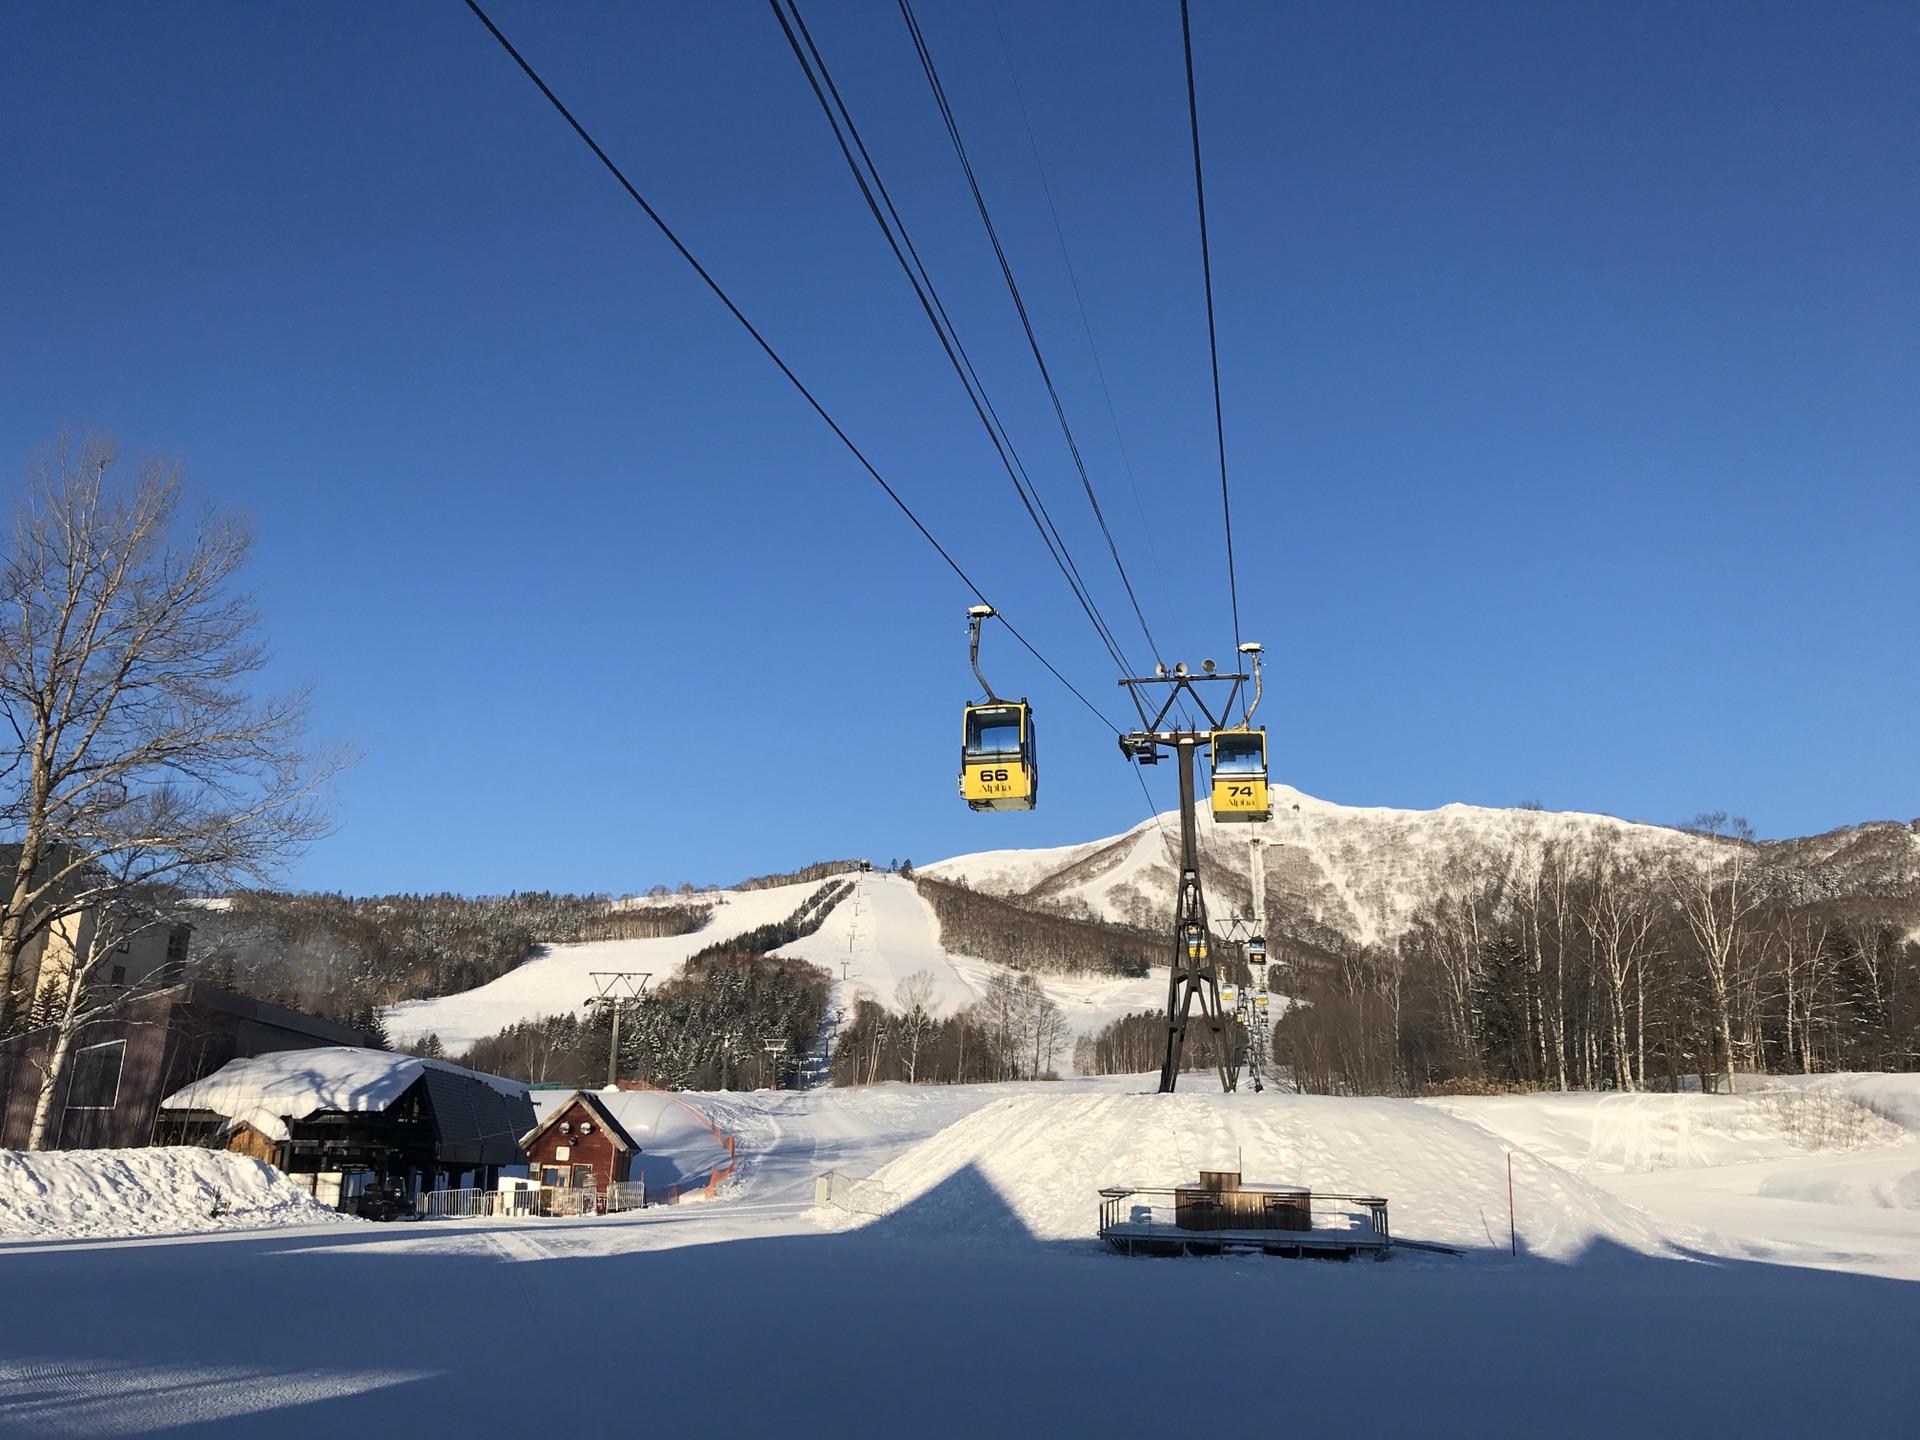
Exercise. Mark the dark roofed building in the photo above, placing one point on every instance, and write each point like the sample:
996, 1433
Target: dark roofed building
123, 1063
400, 1121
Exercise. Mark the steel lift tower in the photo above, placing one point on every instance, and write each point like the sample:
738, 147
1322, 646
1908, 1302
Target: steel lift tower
1195, 977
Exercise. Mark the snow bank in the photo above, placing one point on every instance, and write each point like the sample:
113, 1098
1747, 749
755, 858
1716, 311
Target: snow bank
1033, 1167
1896, 1097
1636, 1133
1885, 1185
162, 1190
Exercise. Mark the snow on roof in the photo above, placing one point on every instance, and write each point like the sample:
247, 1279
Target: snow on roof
265, 1091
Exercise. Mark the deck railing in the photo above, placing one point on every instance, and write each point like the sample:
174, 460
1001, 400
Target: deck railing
1140, 1220
561, 1200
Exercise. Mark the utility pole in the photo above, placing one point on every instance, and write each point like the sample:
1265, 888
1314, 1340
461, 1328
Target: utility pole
617, 990
1193, 975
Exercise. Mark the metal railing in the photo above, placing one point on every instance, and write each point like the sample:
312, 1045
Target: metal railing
547, 1200
477, 1204
1191, 1220
625, 1195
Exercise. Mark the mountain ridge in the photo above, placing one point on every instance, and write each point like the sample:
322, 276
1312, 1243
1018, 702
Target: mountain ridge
1360, 872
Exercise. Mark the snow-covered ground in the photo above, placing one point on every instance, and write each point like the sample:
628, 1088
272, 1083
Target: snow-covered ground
880, 935
157, 1191
1668, 1282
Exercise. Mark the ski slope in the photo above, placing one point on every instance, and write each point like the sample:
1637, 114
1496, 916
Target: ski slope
880, 935
559, 980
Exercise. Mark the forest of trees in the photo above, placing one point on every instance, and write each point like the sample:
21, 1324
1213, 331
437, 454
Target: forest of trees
972, 923
342, 957
1135, 1044
1593, 967
1013, 1032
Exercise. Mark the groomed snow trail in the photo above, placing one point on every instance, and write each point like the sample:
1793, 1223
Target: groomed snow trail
1031, 1167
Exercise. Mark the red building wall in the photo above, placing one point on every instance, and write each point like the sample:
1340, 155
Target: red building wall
595, 1148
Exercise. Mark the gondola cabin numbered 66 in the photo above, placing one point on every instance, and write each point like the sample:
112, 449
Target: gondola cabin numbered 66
998, 769
1240, 775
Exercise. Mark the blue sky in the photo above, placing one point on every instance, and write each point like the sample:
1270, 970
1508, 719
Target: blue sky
1569, 360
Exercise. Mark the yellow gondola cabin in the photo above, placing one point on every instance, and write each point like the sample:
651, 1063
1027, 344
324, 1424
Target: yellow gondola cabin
998, 765
1240, 776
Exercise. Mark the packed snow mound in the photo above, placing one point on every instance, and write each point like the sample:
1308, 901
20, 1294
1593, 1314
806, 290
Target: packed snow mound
1894, 1096
166, 1189
1032, 1168
1624, 1134
1881, 1186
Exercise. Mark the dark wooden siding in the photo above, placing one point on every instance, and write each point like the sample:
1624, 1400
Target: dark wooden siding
610, 1163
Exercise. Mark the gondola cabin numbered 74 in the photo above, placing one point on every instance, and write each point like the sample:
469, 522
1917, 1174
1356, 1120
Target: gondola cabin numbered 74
1240, 775
998, 767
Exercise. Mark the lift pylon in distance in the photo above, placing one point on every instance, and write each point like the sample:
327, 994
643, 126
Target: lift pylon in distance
999, 757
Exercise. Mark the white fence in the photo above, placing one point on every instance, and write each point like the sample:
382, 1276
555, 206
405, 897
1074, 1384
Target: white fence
625, 1195
530, 1201
476, 1204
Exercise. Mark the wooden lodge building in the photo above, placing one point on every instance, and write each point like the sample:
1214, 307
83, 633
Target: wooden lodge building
580, 1143
347, 1119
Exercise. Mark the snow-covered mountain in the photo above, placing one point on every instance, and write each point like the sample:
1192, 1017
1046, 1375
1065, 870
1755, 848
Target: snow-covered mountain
1362, 871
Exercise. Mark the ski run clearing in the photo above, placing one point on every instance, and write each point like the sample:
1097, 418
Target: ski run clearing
1686, 1264
880, 935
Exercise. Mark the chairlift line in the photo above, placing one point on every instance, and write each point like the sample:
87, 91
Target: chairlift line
1213, 344
786, 370
873, 189
1020, 305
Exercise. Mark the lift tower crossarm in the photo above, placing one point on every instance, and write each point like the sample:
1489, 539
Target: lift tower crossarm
1193, 975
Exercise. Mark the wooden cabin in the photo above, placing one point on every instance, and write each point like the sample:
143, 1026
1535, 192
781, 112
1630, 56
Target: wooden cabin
1221, 1202
580, 1143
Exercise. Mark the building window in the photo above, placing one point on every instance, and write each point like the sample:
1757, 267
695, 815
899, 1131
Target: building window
118, 976
177, 946
96, 1076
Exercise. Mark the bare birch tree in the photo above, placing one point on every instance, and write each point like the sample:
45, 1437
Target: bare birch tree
914, 996
1619, 913
143, 760
1716, 900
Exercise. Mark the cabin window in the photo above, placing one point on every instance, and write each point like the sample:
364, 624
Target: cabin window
583, 1177
96, 1076
995, 732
